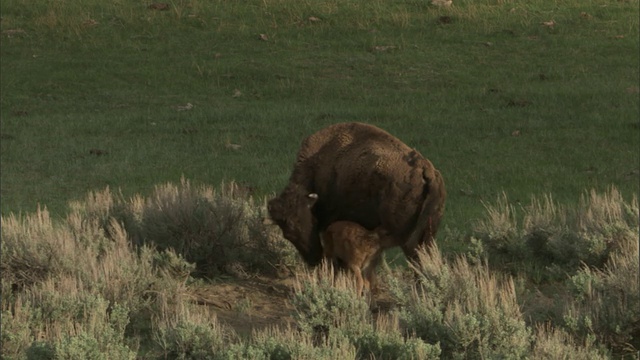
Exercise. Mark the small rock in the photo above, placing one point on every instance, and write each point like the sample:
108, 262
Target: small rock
186, 107
442, 3
549, 23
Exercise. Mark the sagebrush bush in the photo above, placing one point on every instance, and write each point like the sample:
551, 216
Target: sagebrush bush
221, 230
78, 289
324, 299
606, 302
34, 249
470, 311
387, 340
592, 248
16, 334
288, 343
185, 331
500, 228
88, 288
57, 278
329, 309
554, 343
556, 239
60, 319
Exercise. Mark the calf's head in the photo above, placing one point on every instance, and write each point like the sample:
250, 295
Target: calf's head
292, 212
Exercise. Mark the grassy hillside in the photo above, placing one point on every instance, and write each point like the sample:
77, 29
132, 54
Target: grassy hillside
96, 93
509, 99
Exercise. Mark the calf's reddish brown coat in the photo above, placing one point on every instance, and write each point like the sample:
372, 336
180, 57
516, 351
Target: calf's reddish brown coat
355, 248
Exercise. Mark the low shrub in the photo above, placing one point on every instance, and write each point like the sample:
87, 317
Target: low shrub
554, 343
329, 310
288, 343
78, 290
60, 319
587, 254
34, 249
185, 331
87, 288
605, 302
471, 311
385, 340
222, 231
326, 301
549, 240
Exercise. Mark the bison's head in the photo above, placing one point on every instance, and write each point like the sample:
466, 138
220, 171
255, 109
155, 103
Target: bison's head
292, 212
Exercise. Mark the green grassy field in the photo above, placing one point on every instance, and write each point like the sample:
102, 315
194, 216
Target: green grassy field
521, 97
91, 93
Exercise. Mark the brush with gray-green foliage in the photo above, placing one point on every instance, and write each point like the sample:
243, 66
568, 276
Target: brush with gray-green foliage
332, 322
221, 230
471, 311
554, 239
325, 302
605, 302
555, 343
288, 343
63, 319
474, 313
71, 291
328, 307
386, 339
591, 249
102, 340
191, 332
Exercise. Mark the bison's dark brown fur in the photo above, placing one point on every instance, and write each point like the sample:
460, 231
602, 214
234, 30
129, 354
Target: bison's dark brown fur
362, 174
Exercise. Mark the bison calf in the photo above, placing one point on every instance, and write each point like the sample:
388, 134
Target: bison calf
356, 248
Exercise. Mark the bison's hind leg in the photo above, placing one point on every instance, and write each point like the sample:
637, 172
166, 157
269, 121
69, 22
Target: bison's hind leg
339, 264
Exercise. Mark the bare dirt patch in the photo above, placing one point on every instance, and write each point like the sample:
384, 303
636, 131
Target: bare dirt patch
249, 304
260, 302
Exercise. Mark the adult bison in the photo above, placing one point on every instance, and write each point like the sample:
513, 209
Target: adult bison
358, 172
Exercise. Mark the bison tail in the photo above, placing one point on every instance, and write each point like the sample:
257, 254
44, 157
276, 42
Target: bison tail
430, 213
